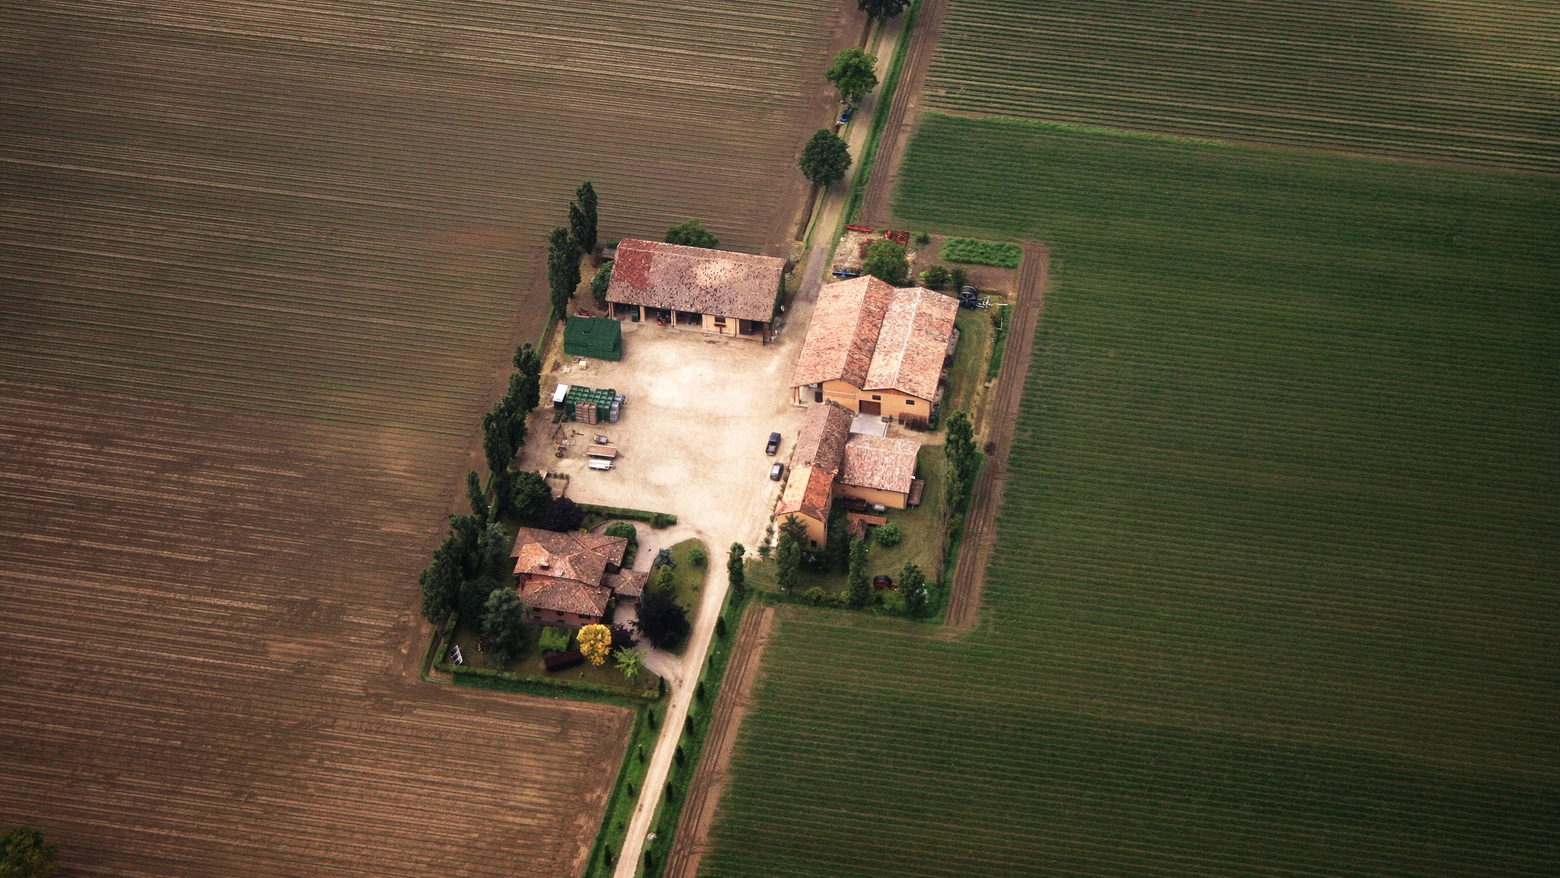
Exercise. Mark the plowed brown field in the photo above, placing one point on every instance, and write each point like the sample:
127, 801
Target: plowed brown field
261, 266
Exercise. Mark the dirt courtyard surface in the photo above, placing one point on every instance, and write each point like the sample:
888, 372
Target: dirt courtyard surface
190, 693
691, 438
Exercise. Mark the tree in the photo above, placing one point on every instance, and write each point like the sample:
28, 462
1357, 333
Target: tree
854, 73
441, 580
528, 362
960, 448
529, 495
629, 661
935, 277
622, 637
468, 531
563, 515
582, 217
474, 594
602, 280
788, 554
495, 545
691, 234
736, 570
503, 624
886, 261
499, 436
882, 8
563, 269
825, 158
697, 556
25, 854
595, 643
476, 496
912, 587
662, 620
858, 588
957, 277
836, 544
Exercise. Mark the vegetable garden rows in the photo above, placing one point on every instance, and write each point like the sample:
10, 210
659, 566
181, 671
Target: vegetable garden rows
261, 264
1471, 82
1273, 591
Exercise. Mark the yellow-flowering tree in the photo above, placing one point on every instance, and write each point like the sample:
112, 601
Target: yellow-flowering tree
595, 643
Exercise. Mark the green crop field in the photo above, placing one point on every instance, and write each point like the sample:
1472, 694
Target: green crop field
1275, 591
1475, 81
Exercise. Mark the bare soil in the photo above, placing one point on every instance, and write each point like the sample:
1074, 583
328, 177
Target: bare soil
709, 779
193, 692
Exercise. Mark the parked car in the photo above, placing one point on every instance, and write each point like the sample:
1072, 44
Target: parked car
846, 113
776, 471
774, 444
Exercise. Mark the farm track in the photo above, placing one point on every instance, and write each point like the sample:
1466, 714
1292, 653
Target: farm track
709, 779
1471, 83
197, 693
262, 265
980, 528
875, 205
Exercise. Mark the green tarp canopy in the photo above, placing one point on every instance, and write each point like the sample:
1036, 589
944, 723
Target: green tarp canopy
600, 338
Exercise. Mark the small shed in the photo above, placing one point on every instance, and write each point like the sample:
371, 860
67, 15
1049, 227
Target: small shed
599, 338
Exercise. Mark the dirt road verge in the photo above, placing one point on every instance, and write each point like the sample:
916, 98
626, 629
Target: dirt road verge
980, 525
875, 209
736, 694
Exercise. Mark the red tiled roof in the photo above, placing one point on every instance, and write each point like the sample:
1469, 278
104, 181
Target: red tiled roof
879, 463
565, 596
809, 492
912, 343
843, 332
626, 583
822, 440
717, 282
582, 557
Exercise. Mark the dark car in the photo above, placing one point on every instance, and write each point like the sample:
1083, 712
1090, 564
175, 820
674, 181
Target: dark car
774, 444
776, 471
846, 113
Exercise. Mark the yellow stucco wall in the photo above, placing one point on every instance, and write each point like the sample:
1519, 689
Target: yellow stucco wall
891, 402
817, 531
891, 499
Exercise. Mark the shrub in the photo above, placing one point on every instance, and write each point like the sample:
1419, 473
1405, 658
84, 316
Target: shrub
626, 530
555, 639
922, 239
599, 283
815, 596
958, 277
889, 534
661, 519
697, 556
934, 278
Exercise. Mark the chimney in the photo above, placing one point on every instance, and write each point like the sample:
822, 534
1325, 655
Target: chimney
542, 564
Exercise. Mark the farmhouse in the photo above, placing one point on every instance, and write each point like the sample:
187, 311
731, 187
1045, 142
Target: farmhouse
876, 350
714, 291
567, 580
830, 462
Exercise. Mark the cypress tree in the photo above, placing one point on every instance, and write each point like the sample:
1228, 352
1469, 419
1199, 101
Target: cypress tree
563, 269
582, 217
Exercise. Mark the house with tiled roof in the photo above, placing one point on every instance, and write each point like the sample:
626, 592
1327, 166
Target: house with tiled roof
829, 461
714, 291
568, 580
875, 349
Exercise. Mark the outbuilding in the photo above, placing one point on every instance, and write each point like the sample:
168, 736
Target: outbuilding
713, 291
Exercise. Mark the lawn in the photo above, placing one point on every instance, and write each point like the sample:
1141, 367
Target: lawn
968, 372
1275, 584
